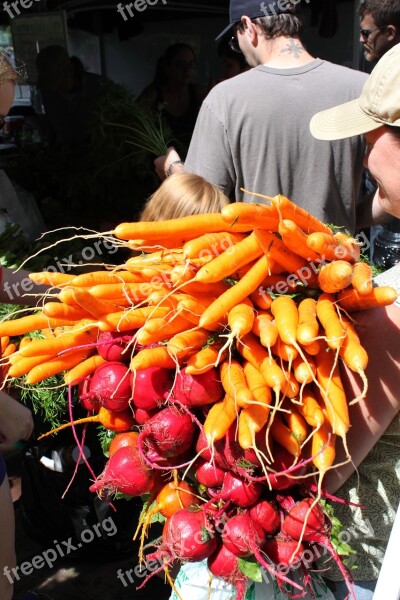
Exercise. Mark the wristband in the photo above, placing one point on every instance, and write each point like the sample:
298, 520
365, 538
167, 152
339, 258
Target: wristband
168, 171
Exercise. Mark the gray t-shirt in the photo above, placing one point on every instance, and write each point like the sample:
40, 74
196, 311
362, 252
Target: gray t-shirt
252, 132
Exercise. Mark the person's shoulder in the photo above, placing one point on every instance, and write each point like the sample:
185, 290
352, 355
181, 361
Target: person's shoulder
233, 84
345, 73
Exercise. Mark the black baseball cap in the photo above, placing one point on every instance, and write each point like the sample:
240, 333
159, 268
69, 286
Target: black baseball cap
254, 9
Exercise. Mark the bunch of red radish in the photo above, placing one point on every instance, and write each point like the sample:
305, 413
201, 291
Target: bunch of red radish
227, 509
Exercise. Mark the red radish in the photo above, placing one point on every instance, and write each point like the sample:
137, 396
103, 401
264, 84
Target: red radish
142, 416
239, 492
112, 345
307, 521
151, 387
266, 515
282, 461
188, 536
283, 552
167, 434
198, 390
223, 563
110, 386
227, 451
125, 472
209, 474
88, 402
121, 440
243, 536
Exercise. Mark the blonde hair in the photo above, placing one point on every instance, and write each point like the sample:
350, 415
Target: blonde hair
7, 71
181, 195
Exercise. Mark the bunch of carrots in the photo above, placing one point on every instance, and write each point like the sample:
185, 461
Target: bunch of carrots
245, 321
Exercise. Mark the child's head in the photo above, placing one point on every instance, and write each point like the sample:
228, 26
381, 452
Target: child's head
181, 195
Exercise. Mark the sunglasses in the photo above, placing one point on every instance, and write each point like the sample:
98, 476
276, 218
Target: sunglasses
233, 42
365, 33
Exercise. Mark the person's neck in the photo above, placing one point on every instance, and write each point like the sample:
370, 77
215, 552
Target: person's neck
284, 53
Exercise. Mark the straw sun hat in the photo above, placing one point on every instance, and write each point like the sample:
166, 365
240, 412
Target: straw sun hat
378, 105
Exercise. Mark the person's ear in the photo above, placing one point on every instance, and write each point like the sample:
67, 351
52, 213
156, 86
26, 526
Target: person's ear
250, 29
392, 32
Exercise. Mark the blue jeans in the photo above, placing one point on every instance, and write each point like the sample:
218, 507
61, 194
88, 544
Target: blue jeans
364, 590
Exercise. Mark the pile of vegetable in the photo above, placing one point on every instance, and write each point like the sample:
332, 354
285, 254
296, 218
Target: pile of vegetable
213, 355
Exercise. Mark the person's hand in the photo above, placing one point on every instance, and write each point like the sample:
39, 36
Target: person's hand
162, 163
16, 421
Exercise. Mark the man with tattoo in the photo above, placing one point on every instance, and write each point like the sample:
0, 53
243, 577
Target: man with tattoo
252, 134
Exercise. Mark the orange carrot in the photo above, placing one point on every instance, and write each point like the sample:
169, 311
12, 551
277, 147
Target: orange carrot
332, 392
230, 260
313, 348
284, 351
281, 433
284, 309
240, 320
234, 382
305, 220
180, 227
323, 447
304, 371
308, 326
265, 328
329, 247
158, 356
330, 321
104, 277
251, 214
83, 369
55, 365
58, 310
4, 341
205, 359
261, 299
50, 278
24, 365
81, 335
256, 384
158, 329
275, 248
354, 356
255, 353
295, 422
362, 278
212, 243
114, 421
310, 409
218, 420
296, 240
97, 308
352, 300
351, 251
182, 345
335, 276
136, 292
131, 319
32, 322
251, 420
237, 293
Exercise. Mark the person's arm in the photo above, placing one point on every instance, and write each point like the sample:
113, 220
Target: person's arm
168, 164
17, 288
16, 421
379, 331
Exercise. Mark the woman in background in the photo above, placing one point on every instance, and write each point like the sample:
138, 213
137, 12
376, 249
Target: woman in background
173, 90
